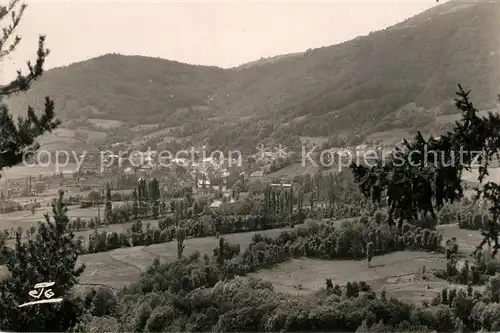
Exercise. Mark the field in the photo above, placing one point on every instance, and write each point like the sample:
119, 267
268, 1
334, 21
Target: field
307, 276
468, 239
64, 139
106, 123
58, 135
494, 175
144, 127
293, 170
391, 137
120, 267
317, 140
25, 219
397, 273
128, 263
451, 118
24, 171
163, 132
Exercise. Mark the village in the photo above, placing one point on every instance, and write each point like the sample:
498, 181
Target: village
219, 180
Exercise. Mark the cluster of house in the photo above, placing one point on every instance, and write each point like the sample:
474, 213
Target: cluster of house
264, 157
207, 173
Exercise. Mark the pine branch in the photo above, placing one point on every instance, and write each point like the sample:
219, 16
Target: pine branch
23, 82
9, 30
18, 142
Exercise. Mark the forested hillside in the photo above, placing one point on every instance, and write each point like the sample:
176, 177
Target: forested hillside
401, 77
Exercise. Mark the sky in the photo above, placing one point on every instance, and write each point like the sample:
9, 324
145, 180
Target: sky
224, 34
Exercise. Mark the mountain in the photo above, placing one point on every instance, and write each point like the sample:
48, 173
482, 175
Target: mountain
391, 81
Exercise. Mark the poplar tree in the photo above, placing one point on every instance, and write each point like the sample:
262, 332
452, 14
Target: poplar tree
181, 237
369, 252
108, 210
155, 196
135, 203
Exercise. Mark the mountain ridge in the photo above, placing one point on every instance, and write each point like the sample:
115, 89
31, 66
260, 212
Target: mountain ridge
354, 88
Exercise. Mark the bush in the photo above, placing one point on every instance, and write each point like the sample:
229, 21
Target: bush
86, 204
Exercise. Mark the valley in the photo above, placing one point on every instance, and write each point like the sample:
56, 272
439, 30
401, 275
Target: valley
305, 192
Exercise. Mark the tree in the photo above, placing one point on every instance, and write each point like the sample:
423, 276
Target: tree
19, 141
154, 190
108, 210
492, 289
181, 236
425, 174
369, 252
49, 256
39, 187
329, 284
94, 196
220, 251
135, 204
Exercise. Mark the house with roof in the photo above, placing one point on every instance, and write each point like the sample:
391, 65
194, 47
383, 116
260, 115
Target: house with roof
202, 182
285, 185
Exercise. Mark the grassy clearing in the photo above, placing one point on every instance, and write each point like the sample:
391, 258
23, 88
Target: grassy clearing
167, 139
120, 267
467, 239
24, 171
290, 171
106, 123
163, 132
123, 266
452, 118
71, 136
93, 135
25, 219
471, 176
317, 140
103, 268
412, 288
144, 127
397, 272
391, 137
287, 276
307, 276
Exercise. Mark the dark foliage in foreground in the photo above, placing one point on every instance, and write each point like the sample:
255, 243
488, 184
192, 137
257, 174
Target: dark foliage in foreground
425, 174
50, 256
204, 294
19, 140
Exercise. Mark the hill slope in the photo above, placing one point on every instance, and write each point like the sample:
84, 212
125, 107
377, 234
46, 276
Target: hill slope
402, 77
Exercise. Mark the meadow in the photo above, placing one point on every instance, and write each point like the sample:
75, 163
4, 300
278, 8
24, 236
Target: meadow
398, 273
26, 219
25, 171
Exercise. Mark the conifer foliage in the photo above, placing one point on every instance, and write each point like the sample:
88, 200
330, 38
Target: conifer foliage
424, 174
108, 210
18, 140
49, 256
